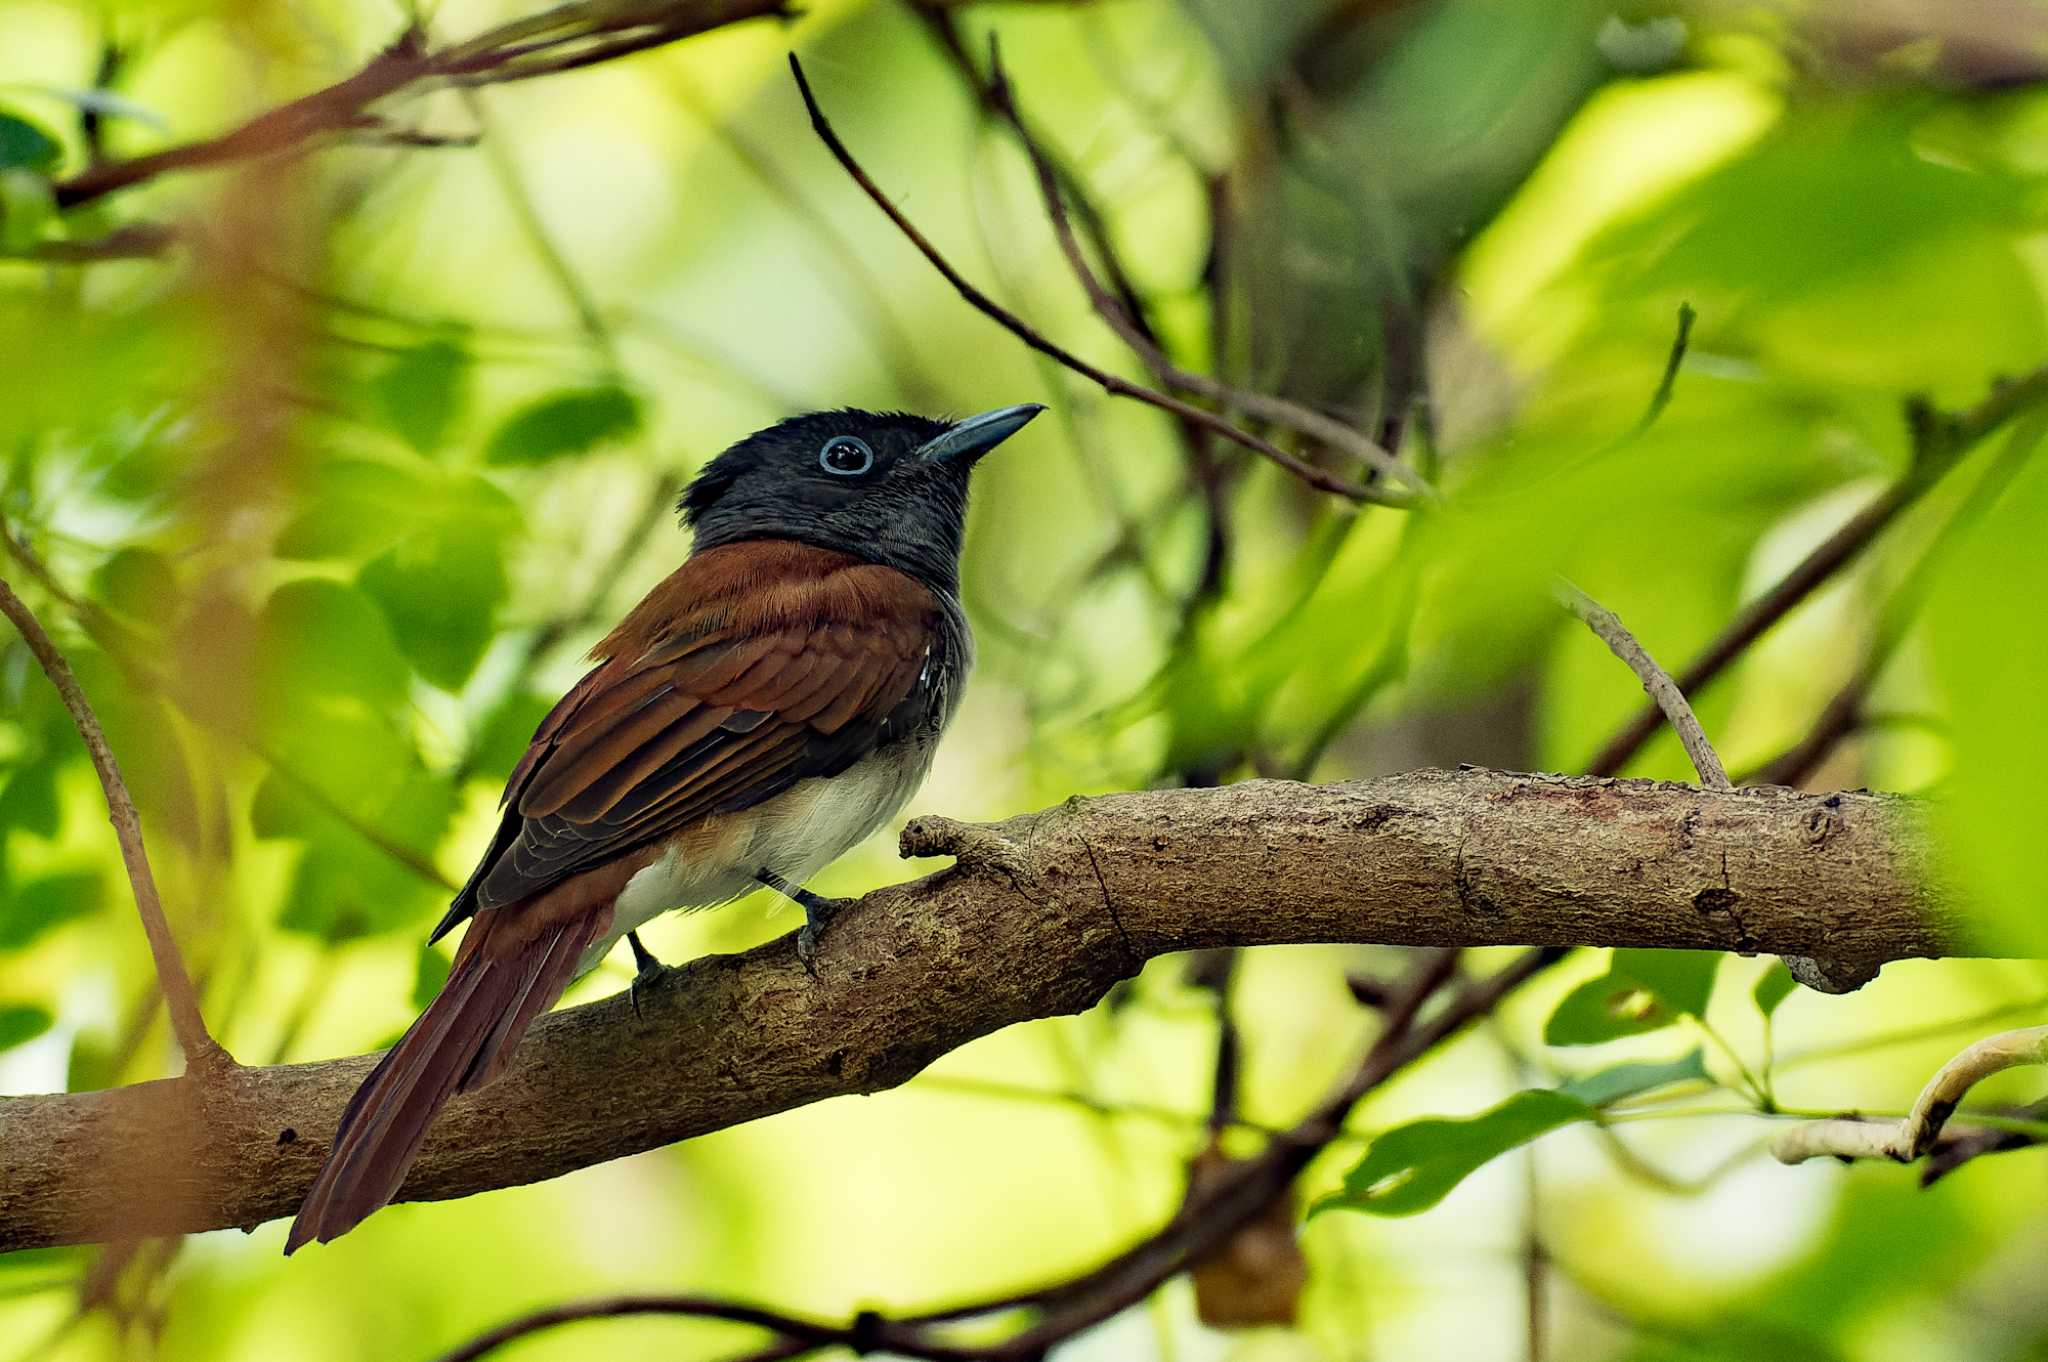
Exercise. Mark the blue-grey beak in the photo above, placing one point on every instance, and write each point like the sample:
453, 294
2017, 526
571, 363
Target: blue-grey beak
968, 440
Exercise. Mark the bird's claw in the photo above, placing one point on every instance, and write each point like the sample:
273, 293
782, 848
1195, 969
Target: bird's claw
647, 969
818, 915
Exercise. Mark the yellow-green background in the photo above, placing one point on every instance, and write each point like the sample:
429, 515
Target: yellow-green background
279, 458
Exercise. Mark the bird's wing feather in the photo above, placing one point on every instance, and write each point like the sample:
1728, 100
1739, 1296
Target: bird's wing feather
752, 667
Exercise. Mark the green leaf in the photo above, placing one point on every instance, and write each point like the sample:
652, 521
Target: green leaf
1642, 991
1682, 980
1608, 1086
565, 423
429, 973
318, 637
140, 583
1773, 987
1604, 1009
1990, 666
1413, 1167
25, 146
44, 904
354, 505
422, 390
20, 1022
502, 738
346, 886
439, 591
27, 208
30, 800
363, 506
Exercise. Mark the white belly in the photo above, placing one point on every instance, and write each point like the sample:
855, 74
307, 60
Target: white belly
796, 834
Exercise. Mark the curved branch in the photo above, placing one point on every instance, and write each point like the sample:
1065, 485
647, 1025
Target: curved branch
1041, 915
1915, 1136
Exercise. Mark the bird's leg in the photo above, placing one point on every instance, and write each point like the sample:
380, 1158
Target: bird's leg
818, 913
645, 968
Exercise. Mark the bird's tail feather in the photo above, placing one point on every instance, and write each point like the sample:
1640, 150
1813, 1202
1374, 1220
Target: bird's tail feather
461, 1041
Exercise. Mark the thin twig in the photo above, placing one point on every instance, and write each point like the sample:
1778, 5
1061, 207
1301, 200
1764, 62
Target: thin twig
202, 1052
1114, 384
564, 38
866, 1333
1265, 406
1914, 1136
1670, 700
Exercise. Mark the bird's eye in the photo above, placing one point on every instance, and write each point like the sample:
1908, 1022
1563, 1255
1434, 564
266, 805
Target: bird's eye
846, 455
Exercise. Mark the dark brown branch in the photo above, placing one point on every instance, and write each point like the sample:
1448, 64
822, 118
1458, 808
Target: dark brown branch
1114, 384
202, 1053
1040, 917
865, 1334
562, 38
1939, 443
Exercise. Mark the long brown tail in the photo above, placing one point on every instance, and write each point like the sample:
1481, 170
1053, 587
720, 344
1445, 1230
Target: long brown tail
460, 1042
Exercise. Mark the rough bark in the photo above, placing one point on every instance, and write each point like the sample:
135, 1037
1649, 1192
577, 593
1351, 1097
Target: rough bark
1040, 915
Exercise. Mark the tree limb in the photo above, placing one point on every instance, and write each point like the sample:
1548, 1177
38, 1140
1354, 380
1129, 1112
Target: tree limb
1043, 913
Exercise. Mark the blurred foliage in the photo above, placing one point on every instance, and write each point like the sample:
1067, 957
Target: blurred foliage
332, 494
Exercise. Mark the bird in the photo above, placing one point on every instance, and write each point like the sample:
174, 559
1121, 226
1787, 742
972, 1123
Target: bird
762, 710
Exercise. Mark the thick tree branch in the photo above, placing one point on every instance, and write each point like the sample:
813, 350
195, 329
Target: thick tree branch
1042, 914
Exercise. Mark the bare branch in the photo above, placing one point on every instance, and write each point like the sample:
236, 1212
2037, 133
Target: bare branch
1114, 384
867, 1333
1670, 700
1916, 1135
202, 1052
1042, 915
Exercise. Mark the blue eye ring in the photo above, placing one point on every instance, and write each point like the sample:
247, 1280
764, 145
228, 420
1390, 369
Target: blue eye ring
846, 456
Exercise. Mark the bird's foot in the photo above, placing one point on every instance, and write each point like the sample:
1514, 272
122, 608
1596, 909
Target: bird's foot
647, 970
818, 915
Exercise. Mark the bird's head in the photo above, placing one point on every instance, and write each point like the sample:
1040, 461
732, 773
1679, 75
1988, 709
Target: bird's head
887, 487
